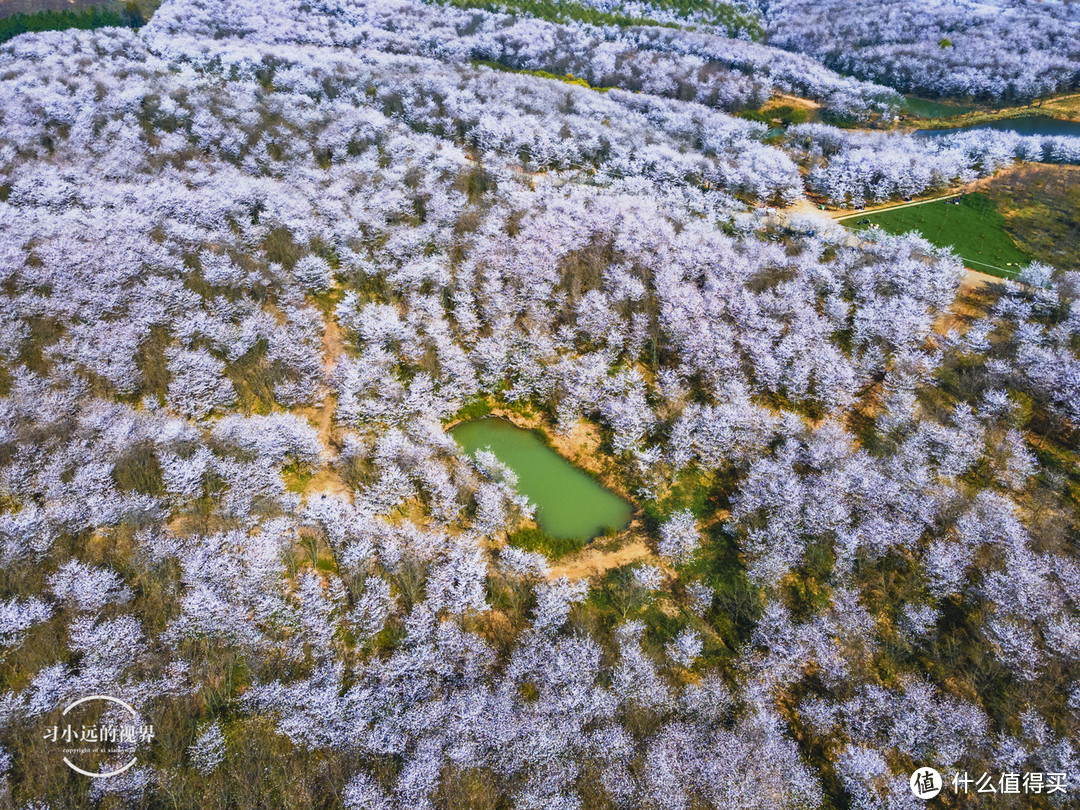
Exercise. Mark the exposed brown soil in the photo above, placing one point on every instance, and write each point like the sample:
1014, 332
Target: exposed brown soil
333, 346
965, 304
782, 99
328, 481
1041, 206
594, 562
322, 415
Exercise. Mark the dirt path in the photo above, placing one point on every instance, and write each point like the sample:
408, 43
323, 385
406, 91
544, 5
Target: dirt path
804, 206
333, 346
966, 188
974, 279
594, 562
962, 308
842, 215
796, 100
326, 478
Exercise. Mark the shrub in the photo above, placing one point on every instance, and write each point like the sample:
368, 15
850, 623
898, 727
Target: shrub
552, 547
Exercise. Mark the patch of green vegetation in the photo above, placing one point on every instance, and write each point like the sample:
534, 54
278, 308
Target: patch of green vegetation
737, 602
926, 108
557, 11
476, 409
281, 248
153, 363
138, 470
972, 227
691, 490
1041, 206
43, 332
568, 78
788, 114
551, 547
476, 182
128, 17
805, 590
327, 300
731, 16
725, 15
254, 376
755, 115
297, 476
617, 596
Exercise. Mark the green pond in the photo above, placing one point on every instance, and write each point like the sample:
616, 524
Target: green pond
569, 504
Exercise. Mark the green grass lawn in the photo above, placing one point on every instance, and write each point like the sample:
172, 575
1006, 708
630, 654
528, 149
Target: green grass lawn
974, 229
925, 108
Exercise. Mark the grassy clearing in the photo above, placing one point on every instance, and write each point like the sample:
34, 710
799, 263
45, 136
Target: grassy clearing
974, 228
925, 108
474, 409
1060, 107
783, 113
1041, 207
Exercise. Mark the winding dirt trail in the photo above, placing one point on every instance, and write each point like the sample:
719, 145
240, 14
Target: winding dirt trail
333, 347
326, 478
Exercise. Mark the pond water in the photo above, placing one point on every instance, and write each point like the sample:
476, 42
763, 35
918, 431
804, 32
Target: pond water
1021, 126
569, 504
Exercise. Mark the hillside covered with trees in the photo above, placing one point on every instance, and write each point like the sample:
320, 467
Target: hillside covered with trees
257, 257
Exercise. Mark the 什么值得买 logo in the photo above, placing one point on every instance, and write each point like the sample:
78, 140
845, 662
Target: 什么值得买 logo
926, 783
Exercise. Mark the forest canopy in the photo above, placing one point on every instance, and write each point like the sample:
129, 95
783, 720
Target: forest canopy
257, 257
